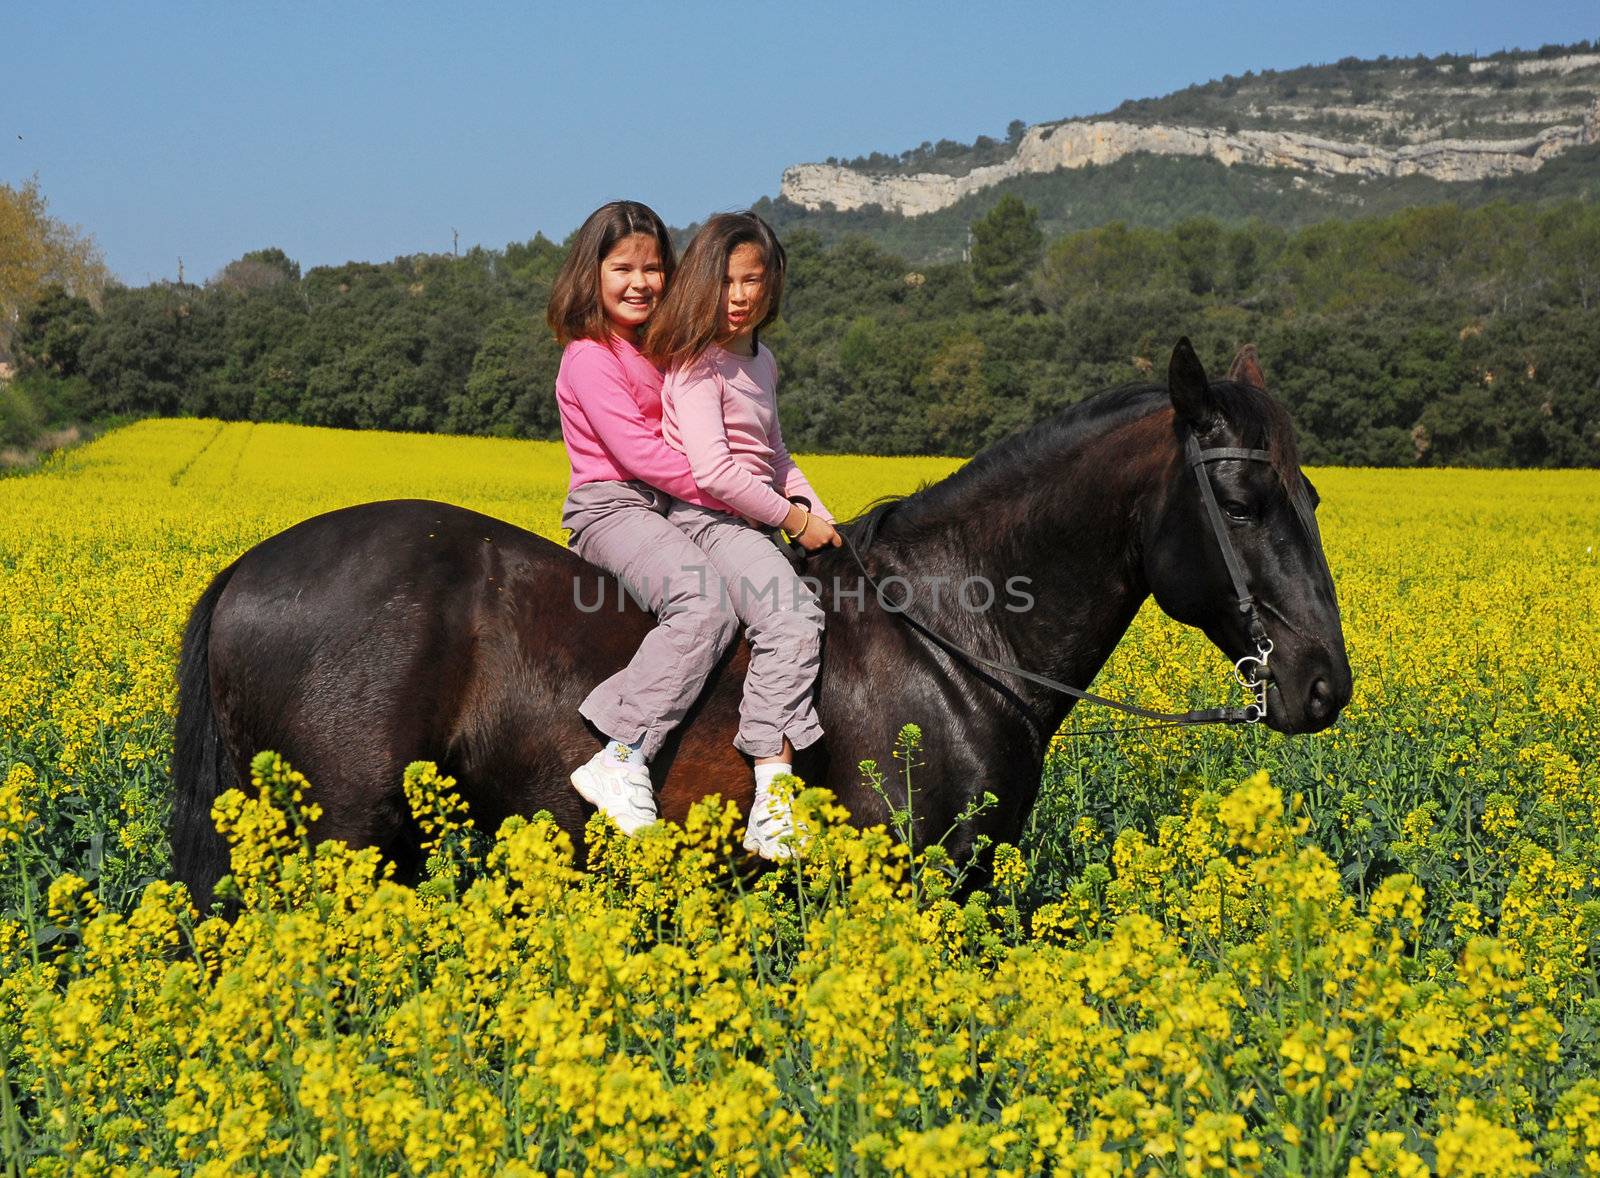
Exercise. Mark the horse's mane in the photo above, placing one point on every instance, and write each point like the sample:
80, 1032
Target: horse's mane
1260, 420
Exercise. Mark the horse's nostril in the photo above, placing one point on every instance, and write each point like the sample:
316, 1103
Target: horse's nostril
1320, 704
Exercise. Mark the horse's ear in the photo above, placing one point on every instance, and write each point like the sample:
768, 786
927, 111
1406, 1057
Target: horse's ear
1246, 369
1188, 387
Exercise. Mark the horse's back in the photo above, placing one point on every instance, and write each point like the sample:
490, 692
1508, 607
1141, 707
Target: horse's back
370, 636
351, 643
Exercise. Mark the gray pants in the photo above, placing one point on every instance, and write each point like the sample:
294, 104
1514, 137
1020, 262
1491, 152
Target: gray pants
783, 622
684, 563
622, 527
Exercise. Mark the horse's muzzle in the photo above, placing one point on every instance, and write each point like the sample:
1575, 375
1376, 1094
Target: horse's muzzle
1310, 708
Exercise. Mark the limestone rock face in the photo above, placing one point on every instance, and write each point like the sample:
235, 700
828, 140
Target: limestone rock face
1080, 142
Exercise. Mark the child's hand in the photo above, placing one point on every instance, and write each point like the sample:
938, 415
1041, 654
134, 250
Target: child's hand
818, 533
810, 531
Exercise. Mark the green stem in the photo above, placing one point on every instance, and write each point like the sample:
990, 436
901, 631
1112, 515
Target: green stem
1355, 1096
10, 1117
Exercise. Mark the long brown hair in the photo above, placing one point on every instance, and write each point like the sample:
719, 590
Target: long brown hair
689, 318
574, 311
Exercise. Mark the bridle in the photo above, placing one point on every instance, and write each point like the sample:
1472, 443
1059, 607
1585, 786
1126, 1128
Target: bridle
1253, 671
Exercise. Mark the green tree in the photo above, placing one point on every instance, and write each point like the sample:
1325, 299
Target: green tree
1112, 258
1426, 336
38, 251
511, 389
962, 408
1006, 243
1198, 242
153, 350
51, 332
258, 270
534, 263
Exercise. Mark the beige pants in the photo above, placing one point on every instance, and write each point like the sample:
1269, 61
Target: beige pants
700, 572
783, 622
622, 527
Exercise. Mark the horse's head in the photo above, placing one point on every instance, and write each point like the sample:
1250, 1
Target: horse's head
1231, 434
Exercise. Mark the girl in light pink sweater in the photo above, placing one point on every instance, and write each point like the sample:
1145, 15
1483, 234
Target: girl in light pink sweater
719, 407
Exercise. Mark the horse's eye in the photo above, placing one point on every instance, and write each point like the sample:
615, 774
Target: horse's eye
1239, 513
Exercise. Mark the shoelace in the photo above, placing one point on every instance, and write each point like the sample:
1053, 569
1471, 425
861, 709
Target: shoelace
769, 822
639, 796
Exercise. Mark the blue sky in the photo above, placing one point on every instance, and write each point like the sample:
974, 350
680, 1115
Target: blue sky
340, 131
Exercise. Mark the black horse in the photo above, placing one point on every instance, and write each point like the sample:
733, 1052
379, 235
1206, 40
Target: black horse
360, 640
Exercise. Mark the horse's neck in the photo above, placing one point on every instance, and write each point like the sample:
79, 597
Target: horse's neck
1074, 539
1087, 579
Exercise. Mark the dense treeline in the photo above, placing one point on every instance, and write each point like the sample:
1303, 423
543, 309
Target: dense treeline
1433, 336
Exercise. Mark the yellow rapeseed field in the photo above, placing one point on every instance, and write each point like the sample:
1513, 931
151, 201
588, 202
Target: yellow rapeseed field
1369, 952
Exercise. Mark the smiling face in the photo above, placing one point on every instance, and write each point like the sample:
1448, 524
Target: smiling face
631, 280
744, 296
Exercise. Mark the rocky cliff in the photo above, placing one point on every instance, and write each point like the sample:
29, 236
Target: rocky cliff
1080, 142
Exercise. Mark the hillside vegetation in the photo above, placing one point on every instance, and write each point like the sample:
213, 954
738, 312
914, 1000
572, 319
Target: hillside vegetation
1391, 100
1362, 117
1406, 319
1431, 336
1160, 191
1387, 100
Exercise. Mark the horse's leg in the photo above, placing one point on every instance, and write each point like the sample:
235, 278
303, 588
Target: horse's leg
347, 690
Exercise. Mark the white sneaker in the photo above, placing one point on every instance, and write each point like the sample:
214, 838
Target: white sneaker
621, 791
771, 822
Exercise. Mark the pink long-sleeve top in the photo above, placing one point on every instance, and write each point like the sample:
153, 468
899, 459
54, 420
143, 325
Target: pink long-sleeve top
610, 403
721, 411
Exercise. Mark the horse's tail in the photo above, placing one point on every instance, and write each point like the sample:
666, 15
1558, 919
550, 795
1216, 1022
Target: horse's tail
201, 770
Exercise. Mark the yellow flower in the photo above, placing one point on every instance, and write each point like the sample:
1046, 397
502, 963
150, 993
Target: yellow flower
1472, 1146
70, 901
17, 804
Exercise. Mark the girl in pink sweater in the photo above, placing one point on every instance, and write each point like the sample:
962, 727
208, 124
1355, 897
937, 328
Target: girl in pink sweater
624, 477
719, 408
